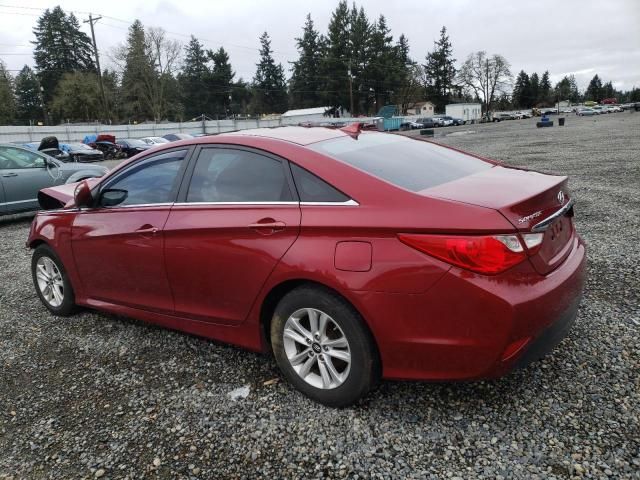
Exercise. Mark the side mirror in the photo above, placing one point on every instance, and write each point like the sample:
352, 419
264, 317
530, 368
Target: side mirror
82, 194
112, 197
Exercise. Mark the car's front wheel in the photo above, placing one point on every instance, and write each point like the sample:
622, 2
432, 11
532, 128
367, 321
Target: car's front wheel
322, 346
51, 282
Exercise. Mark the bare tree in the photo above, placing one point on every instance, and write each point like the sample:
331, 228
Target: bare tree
485, 76
148, 63
411, 89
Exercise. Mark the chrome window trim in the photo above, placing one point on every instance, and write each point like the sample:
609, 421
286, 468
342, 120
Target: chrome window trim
346, 203
236, 203
544, 224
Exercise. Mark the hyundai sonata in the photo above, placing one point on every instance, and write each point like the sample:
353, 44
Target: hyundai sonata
350, 255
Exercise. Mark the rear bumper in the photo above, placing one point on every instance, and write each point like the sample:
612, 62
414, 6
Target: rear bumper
470, 326
549, 338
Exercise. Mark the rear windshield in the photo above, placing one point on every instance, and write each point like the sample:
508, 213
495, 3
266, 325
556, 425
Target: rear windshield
411, 164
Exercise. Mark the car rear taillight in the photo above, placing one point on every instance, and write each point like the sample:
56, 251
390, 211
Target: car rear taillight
488, 255
533, 241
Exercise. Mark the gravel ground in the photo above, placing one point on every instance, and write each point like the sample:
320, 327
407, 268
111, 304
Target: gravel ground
100, 396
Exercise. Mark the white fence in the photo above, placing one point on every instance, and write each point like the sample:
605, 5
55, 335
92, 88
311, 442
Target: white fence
76, 133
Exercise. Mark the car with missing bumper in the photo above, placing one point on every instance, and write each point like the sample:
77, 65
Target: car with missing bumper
312, 244
24, 172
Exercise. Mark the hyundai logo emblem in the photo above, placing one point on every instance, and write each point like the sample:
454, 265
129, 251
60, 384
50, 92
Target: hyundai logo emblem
560, 197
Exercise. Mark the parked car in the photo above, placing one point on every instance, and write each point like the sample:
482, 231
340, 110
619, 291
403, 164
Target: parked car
154, 140
427, 122
24, 172
440, 121
587, 112
454, 121
310, 243
106, 143
411, 125
132, 146
174, 137
522, 115
51, 147
499, 117
599, 110
79, 152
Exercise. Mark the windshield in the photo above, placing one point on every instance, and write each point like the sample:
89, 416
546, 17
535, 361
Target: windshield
411, 164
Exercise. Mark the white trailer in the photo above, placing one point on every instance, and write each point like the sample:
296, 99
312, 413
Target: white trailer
469, 112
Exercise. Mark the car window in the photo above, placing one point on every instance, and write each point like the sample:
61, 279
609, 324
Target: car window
11, 158
153, 180
411, 164
230, 175
313, 189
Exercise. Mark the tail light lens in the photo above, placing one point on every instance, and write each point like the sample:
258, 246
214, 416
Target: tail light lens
488, 255
533, 241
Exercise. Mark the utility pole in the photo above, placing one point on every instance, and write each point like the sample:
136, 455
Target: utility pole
91, 22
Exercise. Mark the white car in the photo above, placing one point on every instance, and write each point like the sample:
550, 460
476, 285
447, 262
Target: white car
520, 115
154, 140
442, 121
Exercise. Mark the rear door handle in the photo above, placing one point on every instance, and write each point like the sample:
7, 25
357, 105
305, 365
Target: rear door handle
12, 174
268, 226
147, 229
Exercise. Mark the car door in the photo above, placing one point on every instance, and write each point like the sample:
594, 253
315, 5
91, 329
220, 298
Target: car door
234, 220
24, 173
119, 249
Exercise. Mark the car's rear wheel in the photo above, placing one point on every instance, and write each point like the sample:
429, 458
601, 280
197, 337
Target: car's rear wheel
51, 282
322, 347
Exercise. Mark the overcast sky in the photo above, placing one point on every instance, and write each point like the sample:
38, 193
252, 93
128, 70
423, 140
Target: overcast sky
582, 37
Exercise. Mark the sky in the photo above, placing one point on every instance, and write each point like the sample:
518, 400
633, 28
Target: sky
579, 37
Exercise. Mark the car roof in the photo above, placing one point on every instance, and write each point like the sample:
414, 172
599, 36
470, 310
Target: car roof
297, 135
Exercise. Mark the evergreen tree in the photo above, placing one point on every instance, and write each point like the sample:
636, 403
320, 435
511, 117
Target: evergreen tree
195, 80
77, 98
138, 70
608, 91
380, 68
336, 59
270, 91
544, 95
574, 96
60, 47
594, 90
112, 92
521, 96
359, 58
28, 100
408, 77
7, 97
306, 70
563, 89
222, 82
440, 72
534, 91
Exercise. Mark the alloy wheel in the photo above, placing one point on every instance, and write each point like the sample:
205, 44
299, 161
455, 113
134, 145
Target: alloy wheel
317, 348
50, 281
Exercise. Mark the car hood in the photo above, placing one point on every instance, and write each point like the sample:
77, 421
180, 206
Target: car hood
76, 167
62, 195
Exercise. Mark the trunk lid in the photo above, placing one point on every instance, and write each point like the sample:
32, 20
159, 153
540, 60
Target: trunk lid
525, 198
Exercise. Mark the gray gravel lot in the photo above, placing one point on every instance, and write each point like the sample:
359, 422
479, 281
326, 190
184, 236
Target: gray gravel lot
100, 396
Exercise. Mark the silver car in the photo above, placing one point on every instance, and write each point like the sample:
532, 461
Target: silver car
24, 172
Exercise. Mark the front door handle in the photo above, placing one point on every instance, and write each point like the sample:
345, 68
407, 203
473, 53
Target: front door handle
12, 174
147, 229
268, 226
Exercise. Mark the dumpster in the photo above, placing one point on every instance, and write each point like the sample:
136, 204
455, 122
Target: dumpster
392, 124
561, 122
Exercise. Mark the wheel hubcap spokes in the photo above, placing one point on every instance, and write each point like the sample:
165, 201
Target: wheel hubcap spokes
317, 348
49, 281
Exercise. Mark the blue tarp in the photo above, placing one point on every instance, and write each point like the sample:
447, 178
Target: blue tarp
89, 139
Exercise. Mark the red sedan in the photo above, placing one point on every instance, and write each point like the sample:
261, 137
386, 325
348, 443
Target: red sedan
350, 255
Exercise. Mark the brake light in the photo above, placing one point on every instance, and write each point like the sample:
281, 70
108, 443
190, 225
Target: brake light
488, 255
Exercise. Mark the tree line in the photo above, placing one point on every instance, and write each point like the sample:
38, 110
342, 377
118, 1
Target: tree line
356, 66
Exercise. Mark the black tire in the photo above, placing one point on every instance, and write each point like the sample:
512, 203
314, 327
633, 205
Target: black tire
67, 306
364, 370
